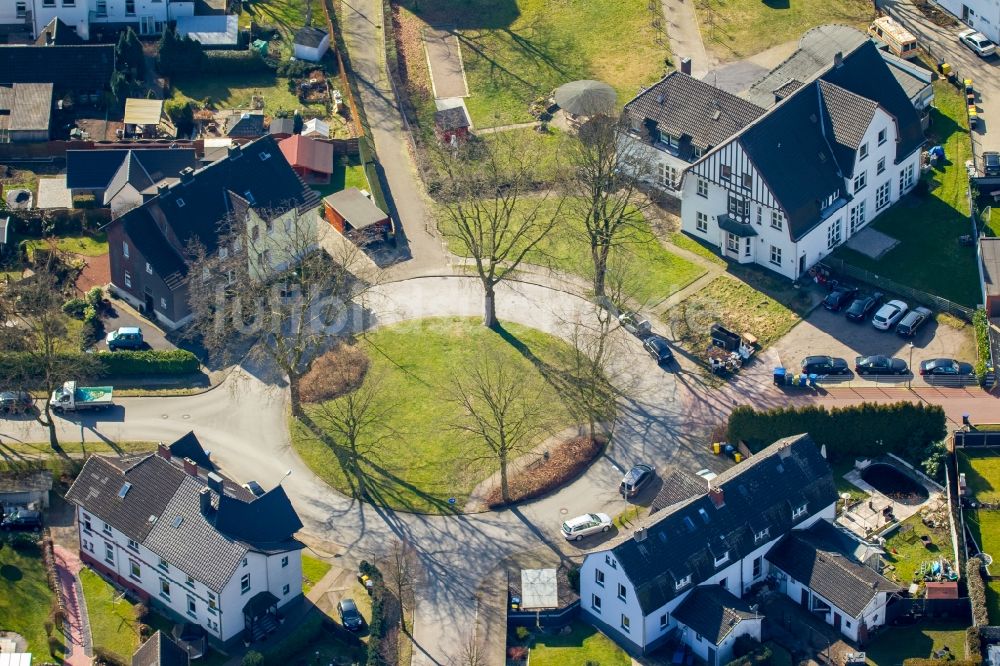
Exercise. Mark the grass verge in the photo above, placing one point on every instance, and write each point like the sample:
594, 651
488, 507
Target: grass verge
982, 473
703, 250
313, 570
895, 644
583, 645
26, 600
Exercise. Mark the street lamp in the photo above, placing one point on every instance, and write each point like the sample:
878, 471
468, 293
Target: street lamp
910, 366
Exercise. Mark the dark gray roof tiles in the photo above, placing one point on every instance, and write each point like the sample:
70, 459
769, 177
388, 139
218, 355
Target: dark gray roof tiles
450, 119
85, 67
678, 487
189, 446
95, 169
57, 33
160, 650
847, 118
268, 519
131, 172
713, 612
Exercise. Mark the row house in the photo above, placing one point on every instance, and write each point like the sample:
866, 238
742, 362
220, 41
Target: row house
93, 19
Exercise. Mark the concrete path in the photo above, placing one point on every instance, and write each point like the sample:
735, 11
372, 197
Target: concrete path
444, 58
76, 626
685, 36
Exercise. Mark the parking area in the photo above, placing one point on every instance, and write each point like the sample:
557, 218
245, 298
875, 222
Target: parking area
120, 315
832, 334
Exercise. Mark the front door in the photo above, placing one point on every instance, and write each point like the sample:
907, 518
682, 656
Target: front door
149, 303
836, 621
802, 264
805, 597
711, 656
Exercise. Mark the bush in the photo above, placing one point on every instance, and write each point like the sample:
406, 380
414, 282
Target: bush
973, 643
95, 297
748, 652
252, 658
140, 611
983, 356
149, 362
294, 69
335, 373
573, 576
89, 313
92, 331
85, 201
107, 657
977, 592
74, 307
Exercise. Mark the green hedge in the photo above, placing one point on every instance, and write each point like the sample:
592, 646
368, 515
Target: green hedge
234, 62
982, 328
307, 633
907, 429
149, 362
977, 592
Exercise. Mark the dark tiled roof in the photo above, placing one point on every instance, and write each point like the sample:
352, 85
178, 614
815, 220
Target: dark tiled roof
814, 558
58, 33
309, 36
267, 520
32, 106
189, 446
847, 117
282, 126
678, 487
712, 612
81, 67
450, 119
759, 494
94, 169
246, 125
691, 110
159, 650
740, 229
355, 207
783, 91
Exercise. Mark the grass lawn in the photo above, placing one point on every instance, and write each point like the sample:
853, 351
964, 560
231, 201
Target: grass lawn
13, 452
233, 91
313, 570
928, 256
112, 619
740, 28
691, 244
426, 461
895, 644
982, 473
94, 245
654, 272
344, 176
993, 601
514, 52
985, 528
840, 468
25, 598
906, 552
584, 645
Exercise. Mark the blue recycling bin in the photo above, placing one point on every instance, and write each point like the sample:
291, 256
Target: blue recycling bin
812, 379
779, 376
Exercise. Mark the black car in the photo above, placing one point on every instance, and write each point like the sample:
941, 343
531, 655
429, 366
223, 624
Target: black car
22, 519
839, 297
16, 402
824, 365
991, 163
945, 366
912, 321
349, 615
635, 480
879, 365
864, 305
658, 348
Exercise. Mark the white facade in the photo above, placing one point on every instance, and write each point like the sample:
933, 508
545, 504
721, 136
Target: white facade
983, 15
873, 616
661, 165
134, 565
706, 193
147, 17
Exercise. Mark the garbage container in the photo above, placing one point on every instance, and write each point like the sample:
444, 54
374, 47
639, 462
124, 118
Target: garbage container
779, 376
812, 380
716, 448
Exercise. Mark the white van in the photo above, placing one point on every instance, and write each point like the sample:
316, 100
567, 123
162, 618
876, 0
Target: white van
901, 41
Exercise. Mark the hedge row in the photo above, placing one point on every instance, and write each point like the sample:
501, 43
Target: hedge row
938, 662
377, 625
234, 62
977, 592
973, 643
982, 329
847, 432
149, 362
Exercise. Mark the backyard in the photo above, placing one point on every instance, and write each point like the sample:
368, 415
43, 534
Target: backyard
112, 618
984, 525
582, 646
425, 459
893, 645
234, 91
982, 473
928, 226
94, 245
351, 174
905, 552
26, 600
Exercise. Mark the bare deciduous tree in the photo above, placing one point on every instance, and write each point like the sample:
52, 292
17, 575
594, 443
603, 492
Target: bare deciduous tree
472, 653
490, 213
402, 574
607, 166
502, 410
593, 347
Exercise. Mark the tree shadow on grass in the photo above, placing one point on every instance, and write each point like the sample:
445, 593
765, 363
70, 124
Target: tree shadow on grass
465, 14
11, 573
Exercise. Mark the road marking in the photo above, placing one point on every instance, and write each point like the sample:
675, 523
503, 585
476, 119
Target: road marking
616, 467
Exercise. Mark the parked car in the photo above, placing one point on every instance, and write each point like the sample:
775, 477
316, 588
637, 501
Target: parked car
889, 314
911, 323
349, 615
16, 402
126, 337
636, 480
631, 322
22, 519
839, 297
255, 488
991, 163
575, 529
658, 348
945, 366
824, 365
978, 42
879, 365
863, 305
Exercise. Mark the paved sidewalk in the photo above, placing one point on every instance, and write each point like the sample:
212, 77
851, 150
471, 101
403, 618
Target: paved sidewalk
685, 36
76, 626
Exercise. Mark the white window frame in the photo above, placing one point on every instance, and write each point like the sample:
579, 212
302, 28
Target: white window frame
860, 181
134, 570
863, 151
775, 255
702, 188
725, 172
165, 588
799, 511
109, 553
883, 195
599, 577
164, 565
192, 607
880, 166
722, 559
763, 534
882, 136
128, 279
610, 562
125, 249
284, 561
732, 242
664, 620
245, 583
622, 592
20, 9
858, 216
626, 624
683, 582
286, 589
133, 545
701, 222
595, 602
777, 220
834, 234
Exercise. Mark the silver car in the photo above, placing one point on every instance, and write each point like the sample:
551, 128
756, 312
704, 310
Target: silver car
889, 314
575, 529
978, 42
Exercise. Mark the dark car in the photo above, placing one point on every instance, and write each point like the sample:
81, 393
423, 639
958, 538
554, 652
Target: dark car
658, 348
16, 402
636, 480
349, 615
912, 321
879, 365
824, 365
945, 366
863, 305
991, 163
839, 297
22, 519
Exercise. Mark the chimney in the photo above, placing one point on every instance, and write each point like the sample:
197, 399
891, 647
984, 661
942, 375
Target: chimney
187, 175
718, 499
838, 58
163, 451
215, 483
191, 467
162, 187
640, 535
205, 496
686, 66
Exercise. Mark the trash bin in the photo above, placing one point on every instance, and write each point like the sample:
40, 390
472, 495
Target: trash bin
812, 380
716, 448
737, 456
779, 376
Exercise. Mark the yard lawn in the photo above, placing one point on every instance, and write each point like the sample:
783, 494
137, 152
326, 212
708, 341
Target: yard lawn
928, 256
112, 619
691, 244
234, 91
95, 245
584, 645
515, 52
982, 473
993, 601
654, 272
344, 176
427, 462
313, 570
26, 600
285, 15
985, 528
13, 452
895, 644
906, 552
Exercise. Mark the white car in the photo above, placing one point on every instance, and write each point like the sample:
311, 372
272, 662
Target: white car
575, 529
889, 314
978, 42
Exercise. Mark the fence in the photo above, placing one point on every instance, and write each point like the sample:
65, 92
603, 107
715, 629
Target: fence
976, 438
840, 267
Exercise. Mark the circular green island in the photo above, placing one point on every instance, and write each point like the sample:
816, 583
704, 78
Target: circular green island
398, 432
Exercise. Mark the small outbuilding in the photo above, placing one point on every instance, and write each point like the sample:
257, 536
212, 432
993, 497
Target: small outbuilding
451, 126
25, 488
353, 213
311, 44
25, 112
310, 158
281, 128
316, 128
247, 125
218, 31
142, 115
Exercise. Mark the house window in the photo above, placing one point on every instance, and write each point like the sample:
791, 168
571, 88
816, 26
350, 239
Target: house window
833, 234
595, 602
191, 607
134, 570
149, 268
881, 136
245, 584
165, 588
21, 10
626, 624
760, 215
107, 528
775, 255
244, 561
599, 577
189, 582
180, 202
284, 561
863, 151
86, 523
622, 592
777, 219
701, 222
666, 176
610, 562
702, 188
860, 181
747, 180
48, 3
133, 544
211, 603
164, 565
880, 166
739, 208
664, 619
758, 566
109, 553
732, 242
746, 247
129, 7
722, 559
102, 8
128, 279
69, 3
683, 582
763, 534
906, 179
858, 217
882, 195
847, 624
725, 172
163, 303
697, 152
285, 589
798, 511
125, 249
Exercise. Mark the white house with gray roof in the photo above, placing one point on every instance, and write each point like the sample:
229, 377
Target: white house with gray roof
190, 542
683, 573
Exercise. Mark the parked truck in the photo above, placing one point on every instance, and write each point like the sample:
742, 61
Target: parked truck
72, 398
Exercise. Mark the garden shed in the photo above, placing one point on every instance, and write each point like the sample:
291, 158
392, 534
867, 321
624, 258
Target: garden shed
311, 44
22, 489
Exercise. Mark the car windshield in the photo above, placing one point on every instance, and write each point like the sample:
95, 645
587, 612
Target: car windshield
566, 527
